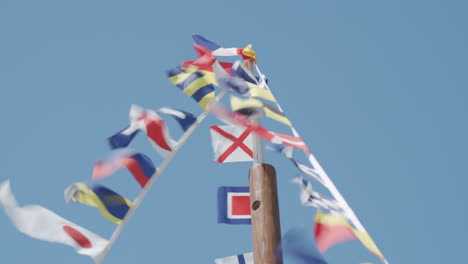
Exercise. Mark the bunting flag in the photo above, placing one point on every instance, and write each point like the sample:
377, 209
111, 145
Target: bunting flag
244, 71
194, 84
298, 244
231, 143
111, 205
241, 86
331, 229
234, 205
287, 152
41, 223
141, 167
149, 122
185, 119
309, 197
246, 258
250, 107
246, 53
273, 137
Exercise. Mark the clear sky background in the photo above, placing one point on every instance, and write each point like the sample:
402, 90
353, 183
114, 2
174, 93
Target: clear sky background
377, 89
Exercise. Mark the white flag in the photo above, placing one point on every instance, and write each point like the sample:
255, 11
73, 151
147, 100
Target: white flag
231, 143
246, 258
41, 223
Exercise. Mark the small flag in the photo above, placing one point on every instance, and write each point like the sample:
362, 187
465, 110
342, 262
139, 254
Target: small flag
141, 167
194, 84
185, 119
242, 87
111, 205
331, 229
149, 122
41, 223
298, 244
246, 258
309, 197
123, 138
231, 143
287, 152
234, 205
250, 107
277, 138
217, 50
244, 72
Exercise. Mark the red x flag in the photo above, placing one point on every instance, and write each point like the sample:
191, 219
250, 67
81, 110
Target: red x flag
231, 143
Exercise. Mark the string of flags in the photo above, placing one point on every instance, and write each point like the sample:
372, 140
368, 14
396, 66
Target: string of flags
335, 222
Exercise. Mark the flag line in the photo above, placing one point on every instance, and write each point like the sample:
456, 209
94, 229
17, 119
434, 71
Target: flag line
153, 179
328, 182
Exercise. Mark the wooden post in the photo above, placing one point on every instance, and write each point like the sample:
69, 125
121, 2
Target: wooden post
266, 231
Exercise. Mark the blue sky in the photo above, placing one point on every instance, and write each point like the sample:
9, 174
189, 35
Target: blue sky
377, 89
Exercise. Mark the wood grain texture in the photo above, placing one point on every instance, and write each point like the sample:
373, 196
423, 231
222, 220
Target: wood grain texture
266, 229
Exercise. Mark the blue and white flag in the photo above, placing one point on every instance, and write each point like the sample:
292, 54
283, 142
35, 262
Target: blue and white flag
246, 258
287, 152
234, 205
309, 197
184, 118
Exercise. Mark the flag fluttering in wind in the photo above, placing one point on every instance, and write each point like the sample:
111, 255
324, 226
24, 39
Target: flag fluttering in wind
274, 137
193, 83
152, 124
246, 258
287, 152
243, 87
298, 244
309, 197
331, 229
41, 223
111, 205
231, 143
141, 167
252, 107
234, 205
217, 50
185, 119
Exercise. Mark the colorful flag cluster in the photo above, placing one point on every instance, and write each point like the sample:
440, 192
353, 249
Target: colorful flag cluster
41, 223
335, 222
240, 78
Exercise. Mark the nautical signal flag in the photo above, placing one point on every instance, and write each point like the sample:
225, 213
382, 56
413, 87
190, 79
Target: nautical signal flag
332, 229
231, 143
274, 137
287, 152
217, 50
193, 83
41, 223
298, 244
252, 107
234, 205
149, 122
246, 258
309, 197
239, 85
111, 205
141, 167
185, 119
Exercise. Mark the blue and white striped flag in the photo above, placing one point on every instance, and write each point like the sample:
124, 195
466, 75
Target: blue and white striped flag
309, 197
246, 258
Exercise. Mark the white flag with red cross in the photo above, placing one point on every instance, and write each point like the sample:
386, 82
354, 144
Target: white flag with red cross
231, 143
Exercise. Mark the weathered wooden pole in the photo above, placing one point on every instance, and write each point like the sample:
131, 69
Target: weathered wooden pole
266, 229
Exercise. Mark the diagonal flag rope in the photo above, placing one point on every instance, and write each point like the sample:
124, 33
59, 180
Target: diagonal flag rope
326, 179
237, 143
153, 179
